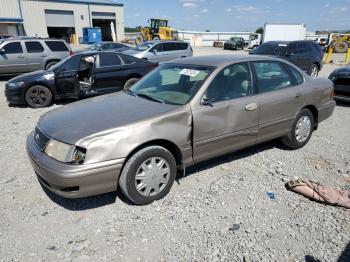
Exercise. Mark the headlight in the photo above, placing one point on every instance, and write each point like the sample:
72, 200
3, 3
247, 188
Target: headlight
65, 153
15, 84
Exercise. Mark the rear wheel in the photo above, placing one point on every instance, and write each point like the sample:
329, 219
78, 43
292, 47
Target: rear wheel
156, 38
38, 96
301, 131
49, 64
148, 175
313, 71
130, 83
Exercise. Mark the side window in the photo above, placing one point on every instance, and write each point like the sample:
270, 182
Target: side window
127, 60
169, 47
13, 48
233, 82
34, 47
158, 47
57, 46
271, 76
303, 48
298, 77
109, 59
293, 48
181, 46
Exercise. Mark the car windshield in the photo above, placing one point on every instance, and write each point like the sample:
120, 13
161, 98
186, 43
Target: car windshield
95, 46
172, 83
270, 49
144, 47
234, 39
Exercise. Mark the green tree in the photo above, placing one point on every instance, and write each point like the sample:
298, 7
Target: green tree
260, 30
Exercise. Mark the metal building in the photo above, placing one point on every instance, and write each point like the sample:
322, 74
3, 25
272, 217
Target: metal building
61, 18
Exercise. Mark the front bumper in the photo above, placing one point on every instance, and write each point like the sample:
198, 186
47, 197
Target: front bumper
14, 95
73, 181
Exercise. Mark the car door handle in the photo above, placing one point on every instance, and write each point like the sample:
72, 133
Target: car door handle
20, 56
299, 95
44, 55
251, 107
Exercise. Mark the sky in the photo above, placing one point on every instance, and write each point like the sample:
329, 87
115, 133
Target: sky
239, 15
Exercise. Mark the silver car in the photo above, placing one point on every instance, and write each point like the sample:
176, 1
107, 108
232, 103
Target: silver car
180, 114
22, 55
161, 51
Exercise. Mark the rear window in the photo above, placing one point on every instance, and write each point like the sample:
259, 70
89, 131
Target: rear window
57, 46
127, 59
34, 47
270, 49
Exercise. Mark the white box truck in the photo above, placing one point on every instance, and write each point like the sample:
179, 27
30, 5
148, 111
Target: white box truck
284, 32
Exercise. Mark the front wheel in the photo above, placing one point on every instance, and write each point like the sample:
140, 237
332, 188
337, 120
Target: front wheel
148, 175
313, 71
301, 131
156, 38
38, 96
130, 83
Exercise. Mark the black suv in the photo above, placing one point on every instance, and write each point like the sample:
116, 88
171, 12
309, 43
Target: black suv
305, 54
234, 43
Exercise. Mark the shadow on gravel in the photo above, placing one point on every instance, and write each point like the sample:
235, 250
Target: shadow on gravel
5, 78
345, 256
343, 104
311, 259
60, 102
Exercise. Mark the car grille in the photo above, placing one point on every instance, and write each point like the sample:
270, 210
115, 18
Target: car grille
41, 139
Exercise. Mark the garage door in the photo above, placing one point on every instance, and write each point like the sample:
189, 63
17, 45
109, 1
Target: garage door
59, 18
103, 15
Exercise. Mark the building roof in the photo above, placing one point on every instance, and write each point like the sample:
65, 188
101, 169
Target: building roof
90, 2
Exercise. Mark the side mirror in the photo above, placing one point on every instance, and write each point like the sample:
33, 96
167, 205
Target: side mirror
100, 49
2, 51
155, 51
289, 53
207, 101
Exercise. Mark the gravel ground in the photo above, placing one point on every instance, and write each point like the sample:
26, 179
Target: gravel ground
218, 212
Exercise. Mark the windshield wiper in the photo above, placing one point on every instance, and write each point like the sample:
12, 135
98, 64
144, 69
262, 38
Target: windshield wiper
130, 92
150, 97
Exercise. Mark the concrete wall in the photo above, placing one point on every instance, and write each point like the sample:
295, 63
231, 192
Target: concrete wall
9, 9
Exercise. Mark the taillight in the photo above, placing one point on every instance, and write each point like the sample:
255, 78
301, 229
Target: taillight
332, 93
71, 53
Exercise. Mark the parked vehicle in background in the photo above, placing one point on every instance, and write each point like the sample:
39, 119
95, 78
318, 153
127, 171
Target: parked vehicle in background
82, 75
4, 36
161, 51
284, 32
254, 40
21, 55
106, 46
341, 80
307, 54
184, 112
234, 43
340, 42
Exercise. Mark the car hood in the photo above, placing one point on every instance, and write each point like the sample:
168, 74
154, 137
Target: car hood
98, 116
30, 75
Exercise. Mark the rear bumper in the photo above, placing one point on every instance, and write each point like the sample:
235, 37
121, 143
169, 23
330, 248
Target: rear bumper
72, 181
326, 111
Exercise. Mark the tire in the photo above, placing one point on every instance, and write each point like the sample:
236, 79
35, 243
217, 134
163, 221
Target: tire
293, 139
38, 96
341, 47
128, 181
313, 71
49, 64
130, 83
155, 38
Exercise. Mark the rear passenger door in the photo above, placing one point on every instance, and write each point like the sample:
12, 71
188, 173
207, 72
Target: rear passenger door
280, 98
171, 51
36, 55
108, 75
13, 60
305, 56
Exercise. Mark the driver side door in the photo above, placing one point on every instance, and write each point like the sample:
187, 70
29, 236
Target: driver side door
227, 119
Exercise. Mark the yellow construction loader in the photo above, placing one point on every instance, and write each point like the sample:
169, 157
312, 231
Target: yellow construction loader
340, 42
158, 29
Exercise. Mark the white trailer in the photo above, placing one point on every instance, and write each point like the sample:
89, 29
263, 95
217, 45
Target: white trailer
284, 32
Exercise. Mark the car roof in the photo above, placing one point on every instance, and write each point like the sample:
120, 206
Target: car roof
220, 60
18, 38
288, 42
153, 42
